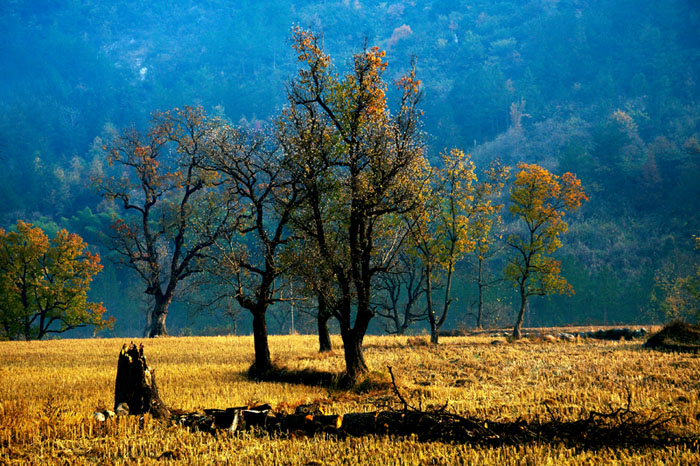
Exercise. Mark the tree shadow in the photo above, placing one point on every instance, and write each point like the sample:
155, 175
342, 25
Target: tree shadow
314, 378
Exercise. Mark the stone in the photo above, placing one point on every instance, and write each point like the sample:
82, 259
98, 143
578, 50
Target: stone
122, 409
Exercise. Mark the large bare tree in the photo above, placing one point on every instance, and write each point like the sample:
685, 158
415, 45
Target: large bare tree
251, 169
173, 209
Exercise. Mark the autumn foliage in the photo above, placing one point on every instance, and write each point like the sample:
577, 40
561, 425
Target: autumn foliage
357, 163
44, 283
539, 201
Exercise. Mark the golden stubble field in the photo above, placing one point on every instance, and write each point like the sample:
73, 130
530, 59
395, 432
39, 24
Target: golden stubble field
49, 390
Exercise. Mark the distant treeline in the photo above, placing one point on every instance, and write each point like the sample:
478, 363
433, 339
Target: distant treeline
607, 89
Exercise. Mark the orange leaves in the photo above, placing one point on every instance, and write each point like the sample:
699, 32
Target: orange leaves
142, 152
357, 99
369, 87
539, 199
374, 57
166, 159
308, 50
123, 230
572, 193
408, 83
47, 279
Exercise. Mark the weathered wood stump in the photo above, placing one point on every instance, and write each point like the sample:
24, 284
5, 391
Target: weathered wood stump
136, 384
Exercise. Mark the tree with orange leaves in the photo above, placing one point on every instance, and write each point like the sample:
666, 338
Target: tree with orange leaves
539, 200
357, 164
175, 209
44, 283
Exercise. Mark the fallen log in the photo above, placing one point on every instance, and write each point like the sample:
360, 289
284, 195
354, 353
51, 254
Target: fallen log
614, 334
259, 418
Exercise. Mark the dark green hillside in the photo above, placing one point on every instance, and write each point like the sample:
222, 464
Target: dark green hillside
607, 89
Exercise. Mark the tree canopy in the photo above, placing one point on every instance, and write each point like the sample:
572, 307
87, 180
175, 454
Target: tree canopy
539, 201
44, 283
359, 164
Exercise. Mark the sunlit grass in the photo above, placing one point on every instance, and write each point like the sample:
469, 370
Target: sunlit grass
49, 390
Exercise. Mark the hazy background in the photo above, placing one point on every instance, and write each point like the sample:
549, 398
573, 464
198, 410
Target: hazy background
605, 88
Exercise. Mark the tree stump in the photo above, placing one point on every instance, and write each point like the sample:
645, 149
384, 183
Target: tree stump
136, 384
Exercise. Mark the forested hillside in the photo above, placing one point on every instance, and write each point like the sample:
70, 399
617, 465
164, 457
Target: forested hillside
606, 89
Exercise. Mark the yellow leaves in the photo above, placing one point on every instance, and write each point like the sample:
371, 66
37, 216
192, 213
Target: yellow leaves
305, 43
449, 223
540, 199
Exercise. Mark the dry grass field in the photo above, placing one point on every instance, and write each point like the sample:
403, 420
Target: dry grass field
49, 390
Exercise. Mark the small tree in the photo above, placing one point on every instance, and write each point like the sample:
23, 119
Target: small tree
453, 220
174, 208
440, 230
488, 229
44, 283
252, 172
539, 200
400, 290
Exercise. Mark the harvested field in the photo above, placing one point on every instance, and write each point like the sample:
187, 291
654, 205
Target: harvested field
50, 389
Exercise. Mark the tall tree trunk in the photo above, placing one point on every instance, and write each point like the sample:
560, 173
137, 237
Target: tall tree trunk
158, 315
352, 337
446, 306
27, 324
429, 301
480, 284
517, 330
324, 337
355, 364
42, 326
262, 363
27, 328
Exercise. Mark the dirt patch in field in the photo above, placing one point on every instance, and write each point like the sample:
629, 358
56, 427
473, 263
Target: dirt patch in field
676, 336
